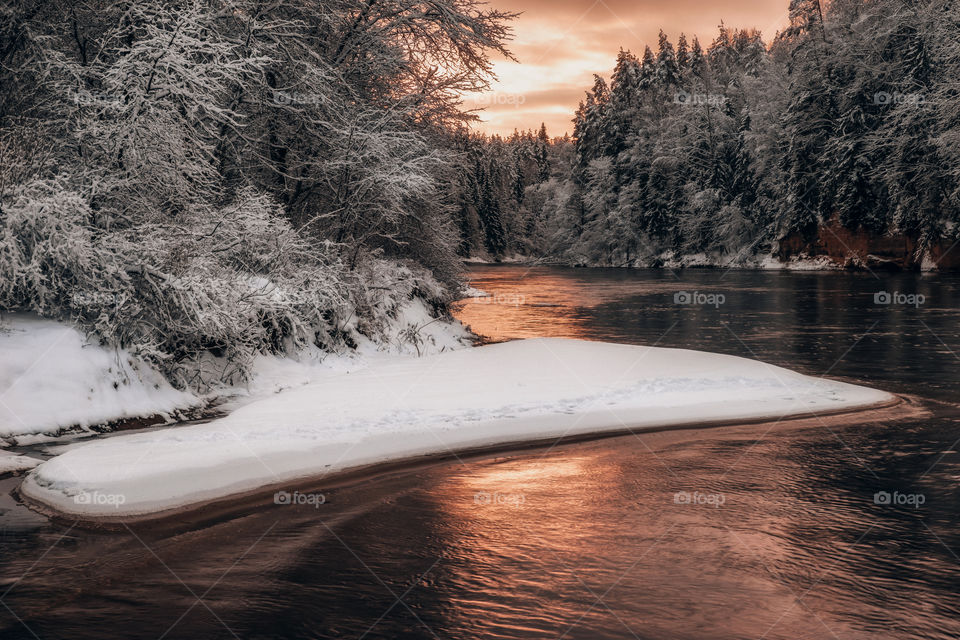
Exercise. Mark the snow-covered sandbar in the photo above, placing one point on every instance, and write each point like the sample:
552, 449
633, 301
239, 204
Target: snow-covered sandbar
498, 394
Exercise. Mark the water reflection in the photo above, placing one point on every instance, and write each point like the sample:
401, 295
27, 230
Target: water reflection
598, 547
618, 538
806, 321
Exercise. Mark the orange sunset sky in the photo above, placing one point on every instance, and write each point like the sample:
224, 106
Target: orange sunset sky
561, 43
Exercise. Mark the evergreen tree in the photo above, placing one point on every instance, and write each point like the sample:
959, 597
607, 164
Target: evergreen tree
621, 113
648, 71
698, 63
683, 53
543, 156
588, 125
489, 211
850, 115
519, 182
668, 70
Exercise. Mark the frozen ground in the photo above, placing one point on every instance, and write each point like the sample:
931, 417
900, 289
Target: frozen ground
406, 407
473, 292
53, 380
13, 462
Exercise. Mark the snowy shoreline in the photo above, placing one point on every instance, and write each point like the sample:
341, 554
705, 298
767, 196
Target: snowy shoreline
696, 262
502, 396
240, 502
56, 383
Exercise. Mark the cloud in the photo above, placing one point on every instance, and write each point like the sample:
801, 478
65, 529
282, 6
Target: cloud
502, 113
562, 43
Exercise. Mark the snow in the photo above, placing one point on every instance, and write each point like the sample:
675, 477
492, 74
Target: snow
413, 332
515, 258
762, 261
10, 462
416, 331
473, 292
51, 378
804, 262
407, 407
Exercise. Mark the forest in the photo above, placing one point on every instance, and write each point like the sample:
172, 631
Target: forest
728, 152
201, 181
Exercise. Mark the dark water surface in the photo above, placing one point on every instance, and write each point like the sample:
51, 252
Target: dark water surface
784, 535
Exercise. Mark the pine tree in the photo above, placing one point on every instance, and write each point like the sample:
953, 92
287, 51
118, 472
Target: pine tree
750, 51
543, 154
489, 211
683, 53
807, 124
917, 181
648, 71
621, 110
519, 182
668, 71
721, 56
588, 125
698, 63
743, 187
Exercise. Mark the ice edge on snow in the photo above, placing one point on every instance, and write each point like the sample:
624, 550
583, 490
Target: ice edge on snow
494, 395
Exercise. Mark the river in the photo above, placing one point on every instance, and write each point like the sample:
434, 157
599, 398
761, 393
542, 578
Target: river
843, 527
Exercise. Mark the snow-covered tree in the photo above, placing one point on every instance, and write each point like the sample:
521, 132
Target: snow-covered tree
202, 181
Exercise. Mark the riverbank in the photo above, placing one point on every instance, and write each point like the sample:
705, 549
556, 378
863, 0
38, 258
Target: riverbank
57, 383
671, 260
205, 514
792, 256
497, 395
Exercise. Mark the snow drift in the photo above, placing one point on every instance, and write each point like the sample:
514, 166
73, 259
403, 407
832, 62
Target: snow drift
503, 393
52, 378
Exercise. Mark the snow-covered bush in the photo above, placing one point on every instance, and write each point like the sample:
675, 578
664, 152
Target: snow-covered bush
51, 259
203, 182
236, 284
202, 295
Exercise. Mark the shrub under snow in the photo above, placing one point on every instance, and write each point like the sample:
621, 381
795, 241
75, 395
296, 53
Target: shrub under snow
200, 296
201, 183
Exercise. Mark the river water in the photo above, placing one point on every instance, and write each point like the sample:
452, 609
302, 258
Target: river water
843, 527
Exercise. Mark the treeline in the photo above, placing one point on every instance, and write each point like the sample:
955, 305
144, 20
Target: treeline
499, 188
850, 115
204, 180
